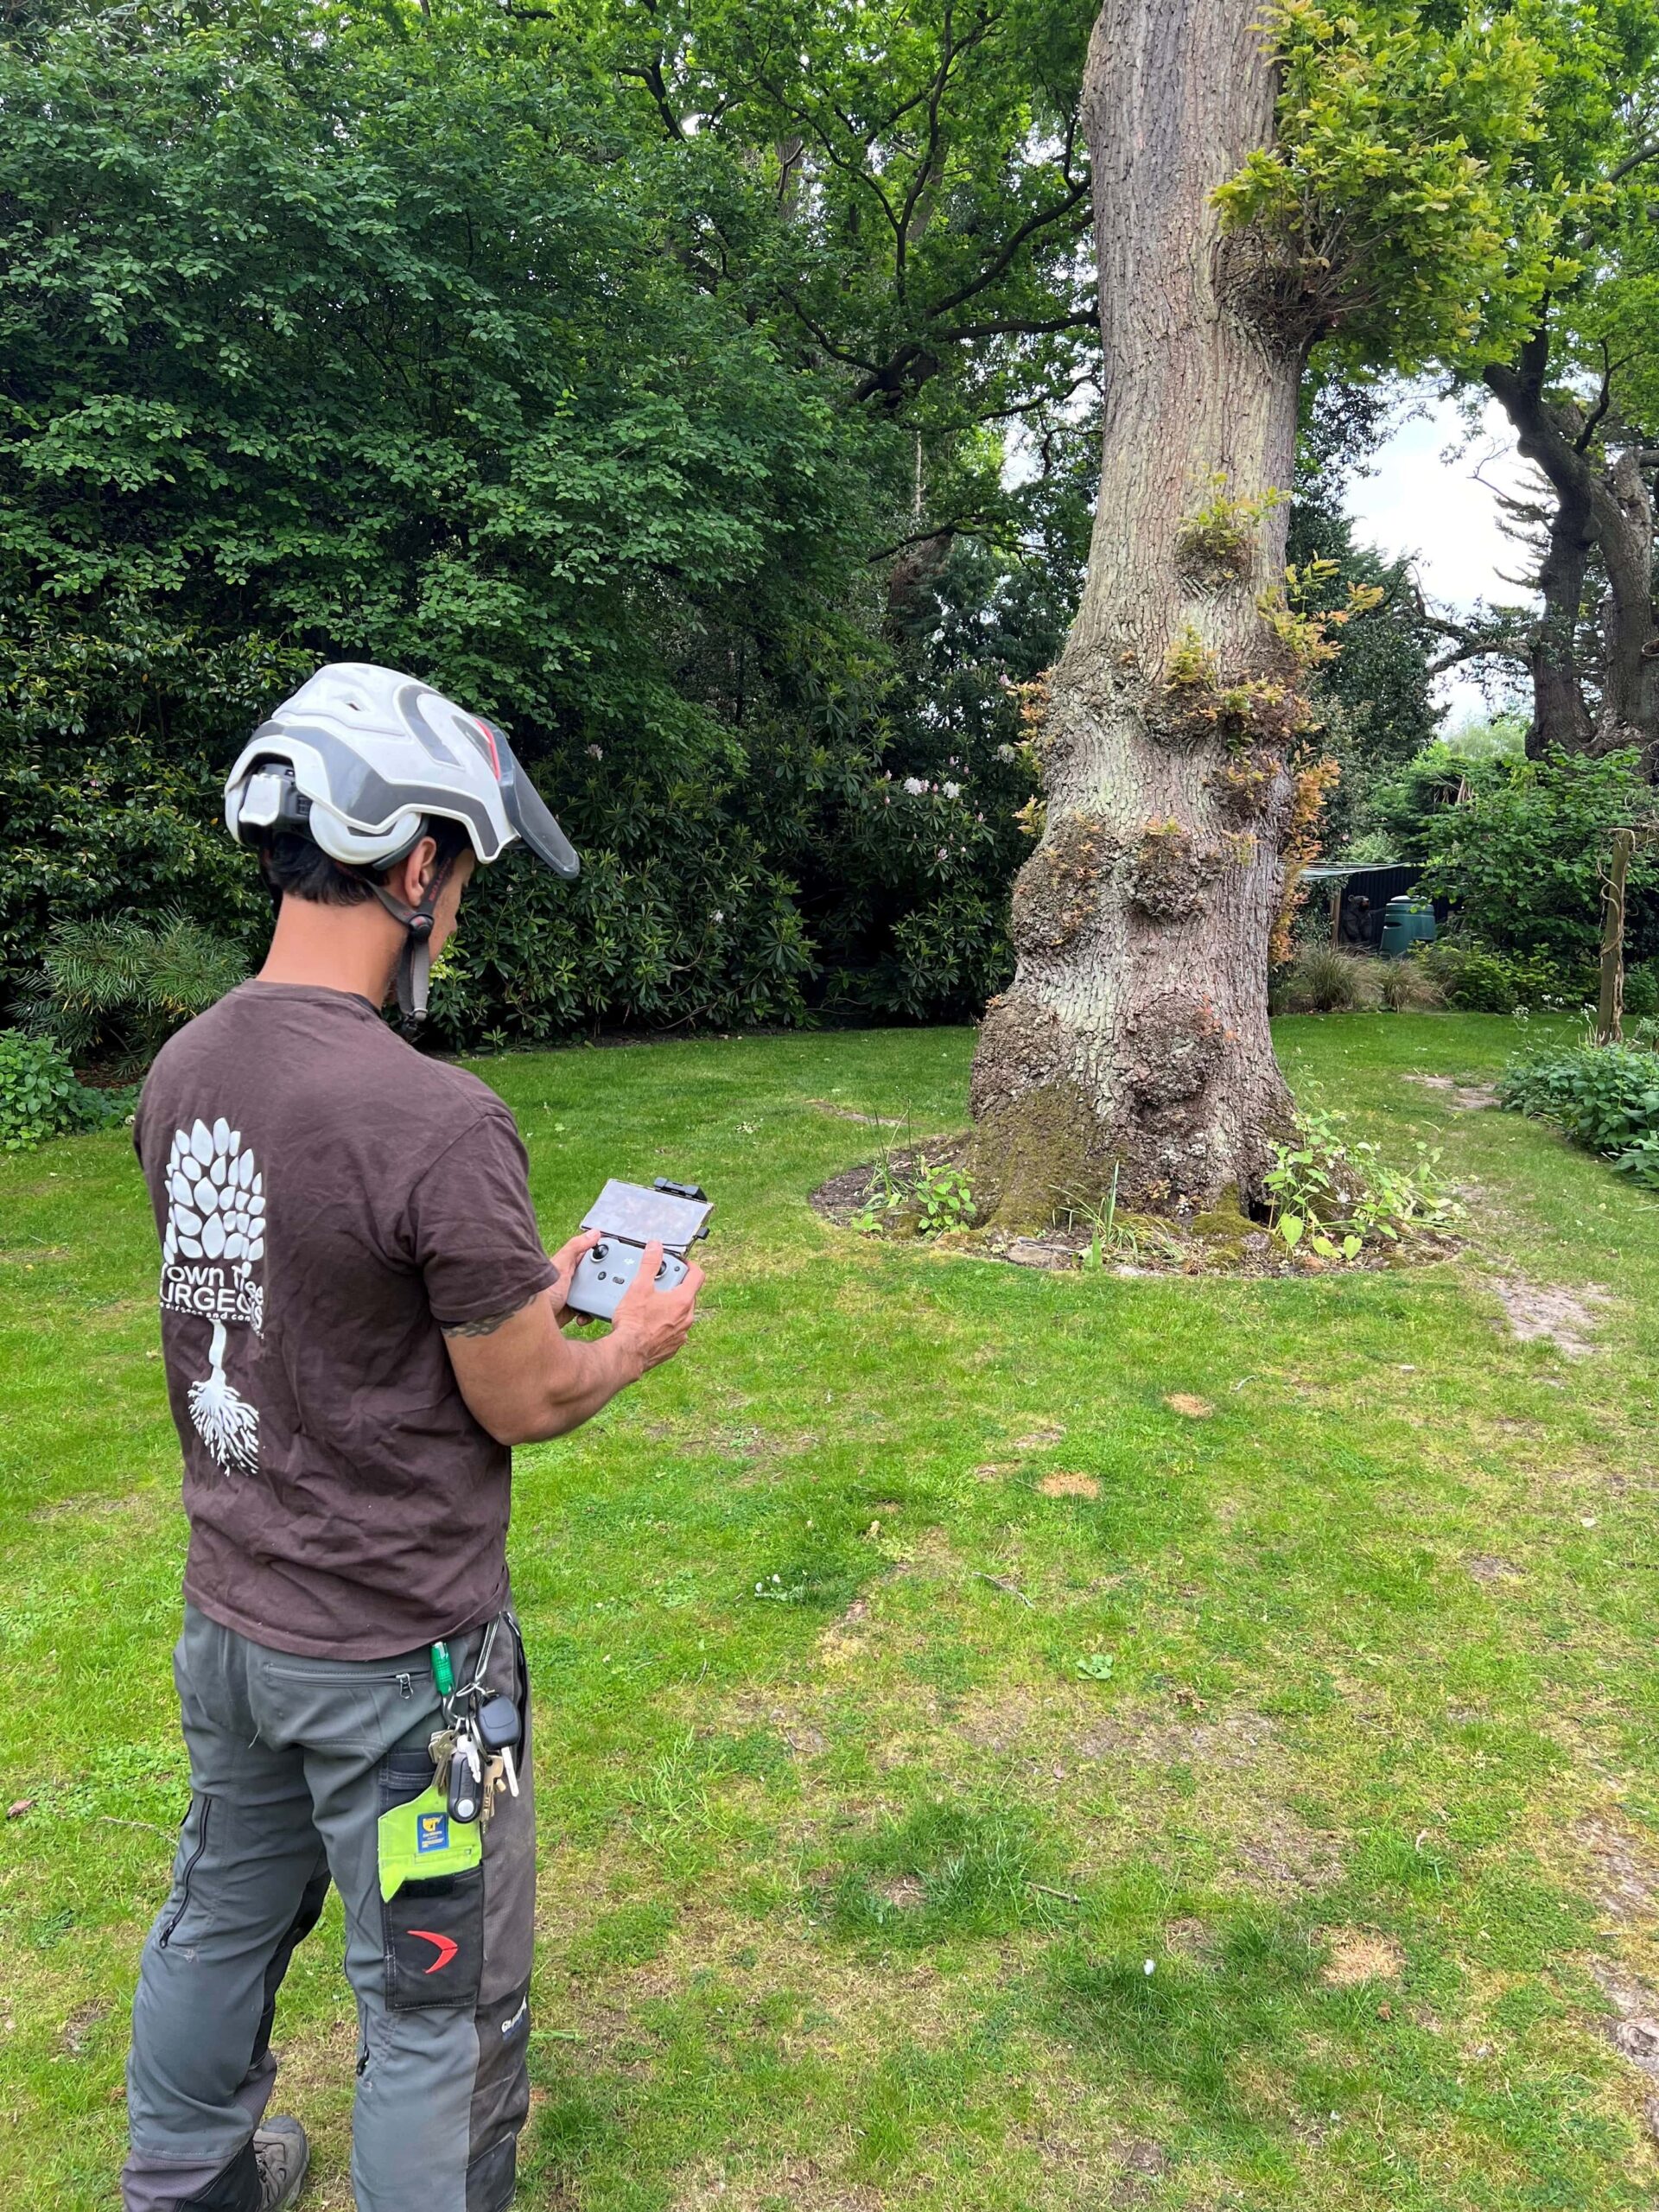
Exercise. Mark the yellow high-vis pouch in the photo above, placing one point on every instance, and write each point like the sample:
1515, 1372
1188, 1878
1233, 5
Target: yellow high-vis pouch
418, 1841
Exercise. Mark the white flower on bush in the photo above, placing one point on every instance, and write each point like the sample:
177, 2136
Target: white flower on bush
951, 791
1005, 752
915, 786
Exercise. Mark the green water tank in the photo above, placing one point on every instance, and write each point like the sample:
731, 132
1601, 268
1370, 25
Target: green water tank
1408, 919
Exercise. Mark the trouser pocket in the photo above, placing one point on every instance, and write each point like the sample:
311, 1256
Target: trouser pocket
434, 1942
433, 1931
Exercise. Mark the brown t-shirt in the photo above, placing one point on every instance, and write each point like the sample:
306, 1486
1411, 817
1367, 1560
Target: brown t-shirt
327, 1201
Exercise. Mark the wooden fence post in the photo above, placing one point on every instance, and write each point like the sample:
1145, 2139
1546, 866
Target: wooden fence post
1610, 1005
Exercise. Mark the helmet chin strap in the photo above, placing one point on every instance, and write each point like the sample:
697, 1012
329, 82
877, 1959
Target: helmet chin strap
415, 965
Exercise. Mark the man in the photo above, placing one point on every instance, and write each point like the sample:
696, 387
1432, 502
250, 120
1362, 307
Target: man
358, 1323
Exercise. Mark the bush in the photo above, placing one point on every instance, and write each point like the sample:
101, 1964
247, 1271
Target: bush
1321, 980
119, 988
1603, 1097
1519, 853
40, 1097
1477, 978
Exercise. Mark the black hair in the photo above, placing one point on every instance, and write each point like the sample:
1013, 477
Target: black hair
294, 866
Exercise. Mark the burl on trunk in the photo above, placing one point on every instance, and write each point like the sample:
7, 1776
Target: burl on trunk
1134, 1036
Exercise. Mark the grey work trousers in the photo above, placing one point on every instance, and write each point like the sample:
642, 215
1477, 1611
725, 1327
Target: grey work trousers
292, 1762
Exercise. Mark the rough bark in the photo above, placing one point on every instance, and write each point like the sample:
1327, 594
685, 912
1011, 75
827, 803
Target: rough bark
1560, 716
1602, 507
1133, 1038
1629, 637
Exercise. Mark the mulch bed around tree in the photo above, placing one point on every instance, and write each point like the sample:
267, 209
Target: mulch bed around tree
1141, 1247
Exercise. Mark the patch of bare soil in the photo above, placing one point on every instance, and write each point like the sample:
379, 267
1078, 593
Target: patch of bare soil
844, 1196
1360, 1954
1142, 2162
1487, 1566
1060, 1484
1461, 1097
1546, 1312
1626, 1880
851, 1114
1181, 1402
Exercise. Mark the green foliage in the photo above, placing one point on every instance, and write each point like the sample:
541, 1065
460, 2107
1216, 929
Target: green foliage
1480, 978
1373, 701
906, 201
1397, 187
40, 1097
1519, 853
119, 988
400, 338
1603, 1097
927, 1196
1345, 1197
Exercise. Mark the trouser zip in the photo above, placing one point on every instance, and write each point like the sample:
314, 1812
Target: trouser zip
189, 1868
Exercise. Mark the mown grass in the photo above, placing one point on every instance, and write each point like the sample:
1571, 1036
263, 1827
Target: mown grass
850, 1886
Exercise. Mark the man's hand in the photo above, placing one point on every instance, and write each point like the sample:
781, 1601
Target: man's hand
524, 1381
565, 1259
654, 1323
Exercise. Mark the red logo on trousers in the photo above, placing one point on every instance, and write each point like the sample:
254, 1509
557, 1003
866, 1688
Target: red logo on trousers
446, 1948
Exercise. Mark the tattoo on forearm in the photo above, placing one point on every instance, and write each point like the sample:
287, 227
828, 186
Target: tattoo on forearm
490, 1323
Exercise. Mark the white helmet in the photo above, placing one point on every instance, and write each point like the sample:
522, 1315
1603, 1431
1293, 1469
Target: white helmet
360, 759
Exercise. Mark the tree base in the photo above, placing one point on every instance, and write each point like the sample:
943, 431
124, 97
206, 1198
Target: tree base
1040, 1155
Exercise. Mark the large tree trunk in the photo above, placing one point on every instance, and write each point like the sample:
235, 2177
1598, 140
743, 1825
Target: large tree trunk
1629, 637
1560, 716
1133, 1043
1602, 506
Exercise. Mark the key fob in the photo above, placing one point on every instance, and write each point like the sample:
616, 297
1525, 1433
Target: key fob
498, 1729
466, 1788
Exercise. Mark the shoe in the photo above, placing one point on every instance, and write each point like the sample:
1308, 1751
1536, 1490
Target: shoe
282, 2154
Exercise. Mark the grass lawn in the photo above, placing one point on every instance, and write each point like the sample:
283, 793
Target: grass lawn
1310, 1889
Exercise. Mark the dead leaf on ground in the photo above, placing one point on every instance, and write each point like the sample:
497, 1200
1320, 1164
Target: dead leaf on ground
1181, 1402
1064, 1485
1361, 1954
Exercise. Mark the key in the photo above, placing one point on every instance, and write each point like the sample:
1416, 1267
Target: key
493, 1774
440, 1749
500, 1729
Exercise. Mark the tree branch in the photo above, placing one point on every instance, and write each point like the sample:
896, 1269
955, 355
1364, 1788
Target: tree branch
1633, 161
1000, 262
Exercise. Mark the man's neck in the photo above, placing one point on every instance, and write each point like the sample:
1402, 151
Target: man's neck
353, 949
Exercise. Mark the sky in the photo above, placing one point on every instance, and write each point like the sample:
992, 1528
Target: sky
1422, 498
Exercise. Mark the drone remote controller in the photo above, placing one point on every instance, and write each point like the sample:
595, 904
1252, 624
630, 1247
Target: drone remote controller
629, 1217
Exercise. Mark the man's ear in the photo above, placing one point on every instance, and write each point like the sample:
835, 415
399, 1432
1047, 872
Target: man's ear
412, 877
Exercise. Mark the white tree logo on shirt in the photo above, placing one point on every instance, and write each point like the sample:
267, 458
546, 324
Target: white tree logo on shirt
213, 1241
